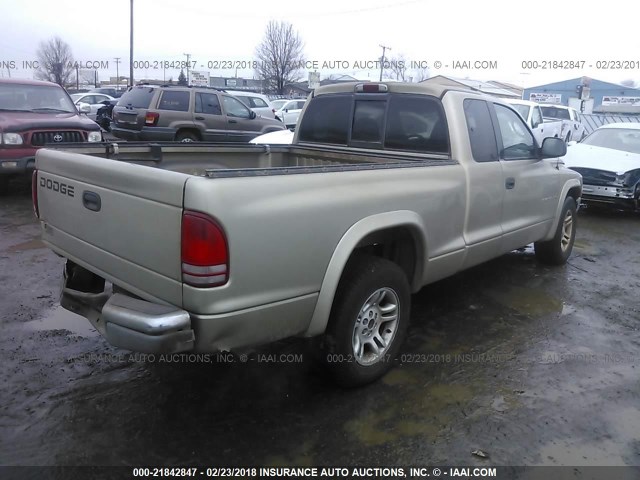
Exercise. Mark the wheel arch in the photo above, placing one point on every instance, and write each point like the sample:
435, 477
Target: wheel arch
189, 129
399, 236
572, 188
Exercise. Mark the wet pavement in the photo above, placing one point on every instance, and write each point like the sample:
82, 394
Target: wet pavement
532, 365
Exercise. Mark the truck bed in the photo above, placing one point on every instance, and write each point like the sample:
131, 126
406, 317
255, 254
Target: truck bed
218, 160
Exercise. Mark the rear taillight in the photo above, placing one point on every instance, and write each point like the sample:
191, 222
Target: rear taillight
34, 193
151, 119
205, 255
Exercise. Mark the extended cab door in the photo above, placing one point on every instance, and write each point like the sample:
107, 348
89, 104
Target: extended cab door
483, 229
207, 115
530, 190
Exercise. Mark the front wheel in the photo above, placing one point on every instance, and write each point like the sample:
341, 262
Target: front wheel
368, 321
557, 250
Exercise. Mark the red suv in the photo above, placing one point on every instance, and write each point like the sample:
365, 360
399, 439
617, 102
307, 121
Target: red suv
33, 114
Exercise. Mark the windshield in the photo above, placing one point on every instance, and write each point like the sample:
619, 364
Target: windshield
555, 112
523, 110
34, 98
625, 139
76, 96
277, 104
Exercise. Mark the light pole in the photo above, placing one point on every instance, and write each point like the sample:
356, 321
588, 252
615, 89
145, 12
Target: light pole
382, 62
188, 55
117, 59
131, 47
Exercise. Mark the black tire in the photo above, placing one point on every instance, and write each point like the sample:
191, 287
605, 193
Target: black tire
186, 136
557, 250
4, 184
365, 276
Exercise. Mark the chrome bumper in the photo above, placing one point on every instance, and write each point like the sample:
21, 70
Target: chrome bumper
132, 323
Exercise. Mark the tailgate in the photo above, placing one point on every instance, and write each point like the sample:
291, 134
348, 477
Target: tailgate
119, 220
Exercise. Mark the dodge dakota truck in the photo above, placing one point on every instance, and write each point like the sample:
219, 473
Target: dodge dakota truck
218, 247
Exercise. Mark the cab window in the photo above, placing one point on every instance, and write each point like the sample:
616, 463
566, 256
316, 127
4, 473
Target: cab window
517, 141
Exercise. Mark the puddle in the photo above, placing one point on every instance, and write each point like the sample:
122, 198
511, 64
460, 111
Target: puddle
602, 454
30, 245
61, 319
529, 301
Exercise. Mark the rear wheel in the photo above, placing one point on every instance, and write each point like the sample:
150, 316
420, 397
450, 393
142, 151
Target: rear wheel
368, 322
186, 137
4, 184
557, 250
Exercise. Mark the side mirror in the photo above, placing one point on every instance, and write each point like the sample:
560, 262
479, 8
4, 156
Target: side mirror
286, 110
252, 114
84, 107
553, 148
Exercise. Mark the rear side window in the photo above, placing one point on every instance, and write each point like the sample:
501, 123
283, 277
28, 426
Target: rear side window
480, 128
208, 103
416, 124
176, 101
326, 120
137, 97
257, 102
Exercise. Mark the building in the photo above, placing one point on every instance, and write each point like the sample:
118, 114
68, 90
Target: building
497, 89
597, 96
235, 83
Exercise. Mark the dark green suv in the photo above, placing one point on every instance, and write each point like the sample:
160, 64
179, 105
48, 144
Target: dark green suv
186, 114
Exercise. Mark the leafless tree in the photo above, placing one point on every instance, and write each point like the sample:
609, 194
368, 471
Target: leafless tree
280, 56
55, 61
422, 74
398, 67
628, 83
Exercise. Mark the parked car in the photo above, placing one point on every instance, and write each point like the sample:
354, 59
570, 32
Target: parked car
572, 127
186, 114
289, 112
111, 91
386, 188
532, 113
256, 102
609, 161
94, 100
280, 137
32, 114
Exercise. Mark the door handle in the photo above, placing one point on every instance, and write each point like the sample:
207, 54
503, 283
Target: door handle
199, 118
510, 183
91, 201
233, 121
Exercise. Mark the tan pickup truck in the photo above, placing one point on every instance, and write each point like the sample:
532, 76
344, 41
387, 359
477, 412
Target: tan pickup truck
386, 188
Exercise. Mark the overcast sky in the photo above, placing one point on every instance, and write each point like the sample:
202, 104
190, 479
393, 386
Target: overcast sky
334, 30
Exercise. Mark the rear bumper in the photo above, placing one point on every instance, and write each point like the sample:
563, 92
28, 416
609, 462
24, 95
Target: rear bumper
151, 134
131, 323
141, 326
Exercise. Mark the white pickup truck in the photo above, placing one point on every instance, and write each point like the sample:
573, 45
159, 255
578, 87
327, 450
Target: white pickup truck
540, 126
572, 127
386, 188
